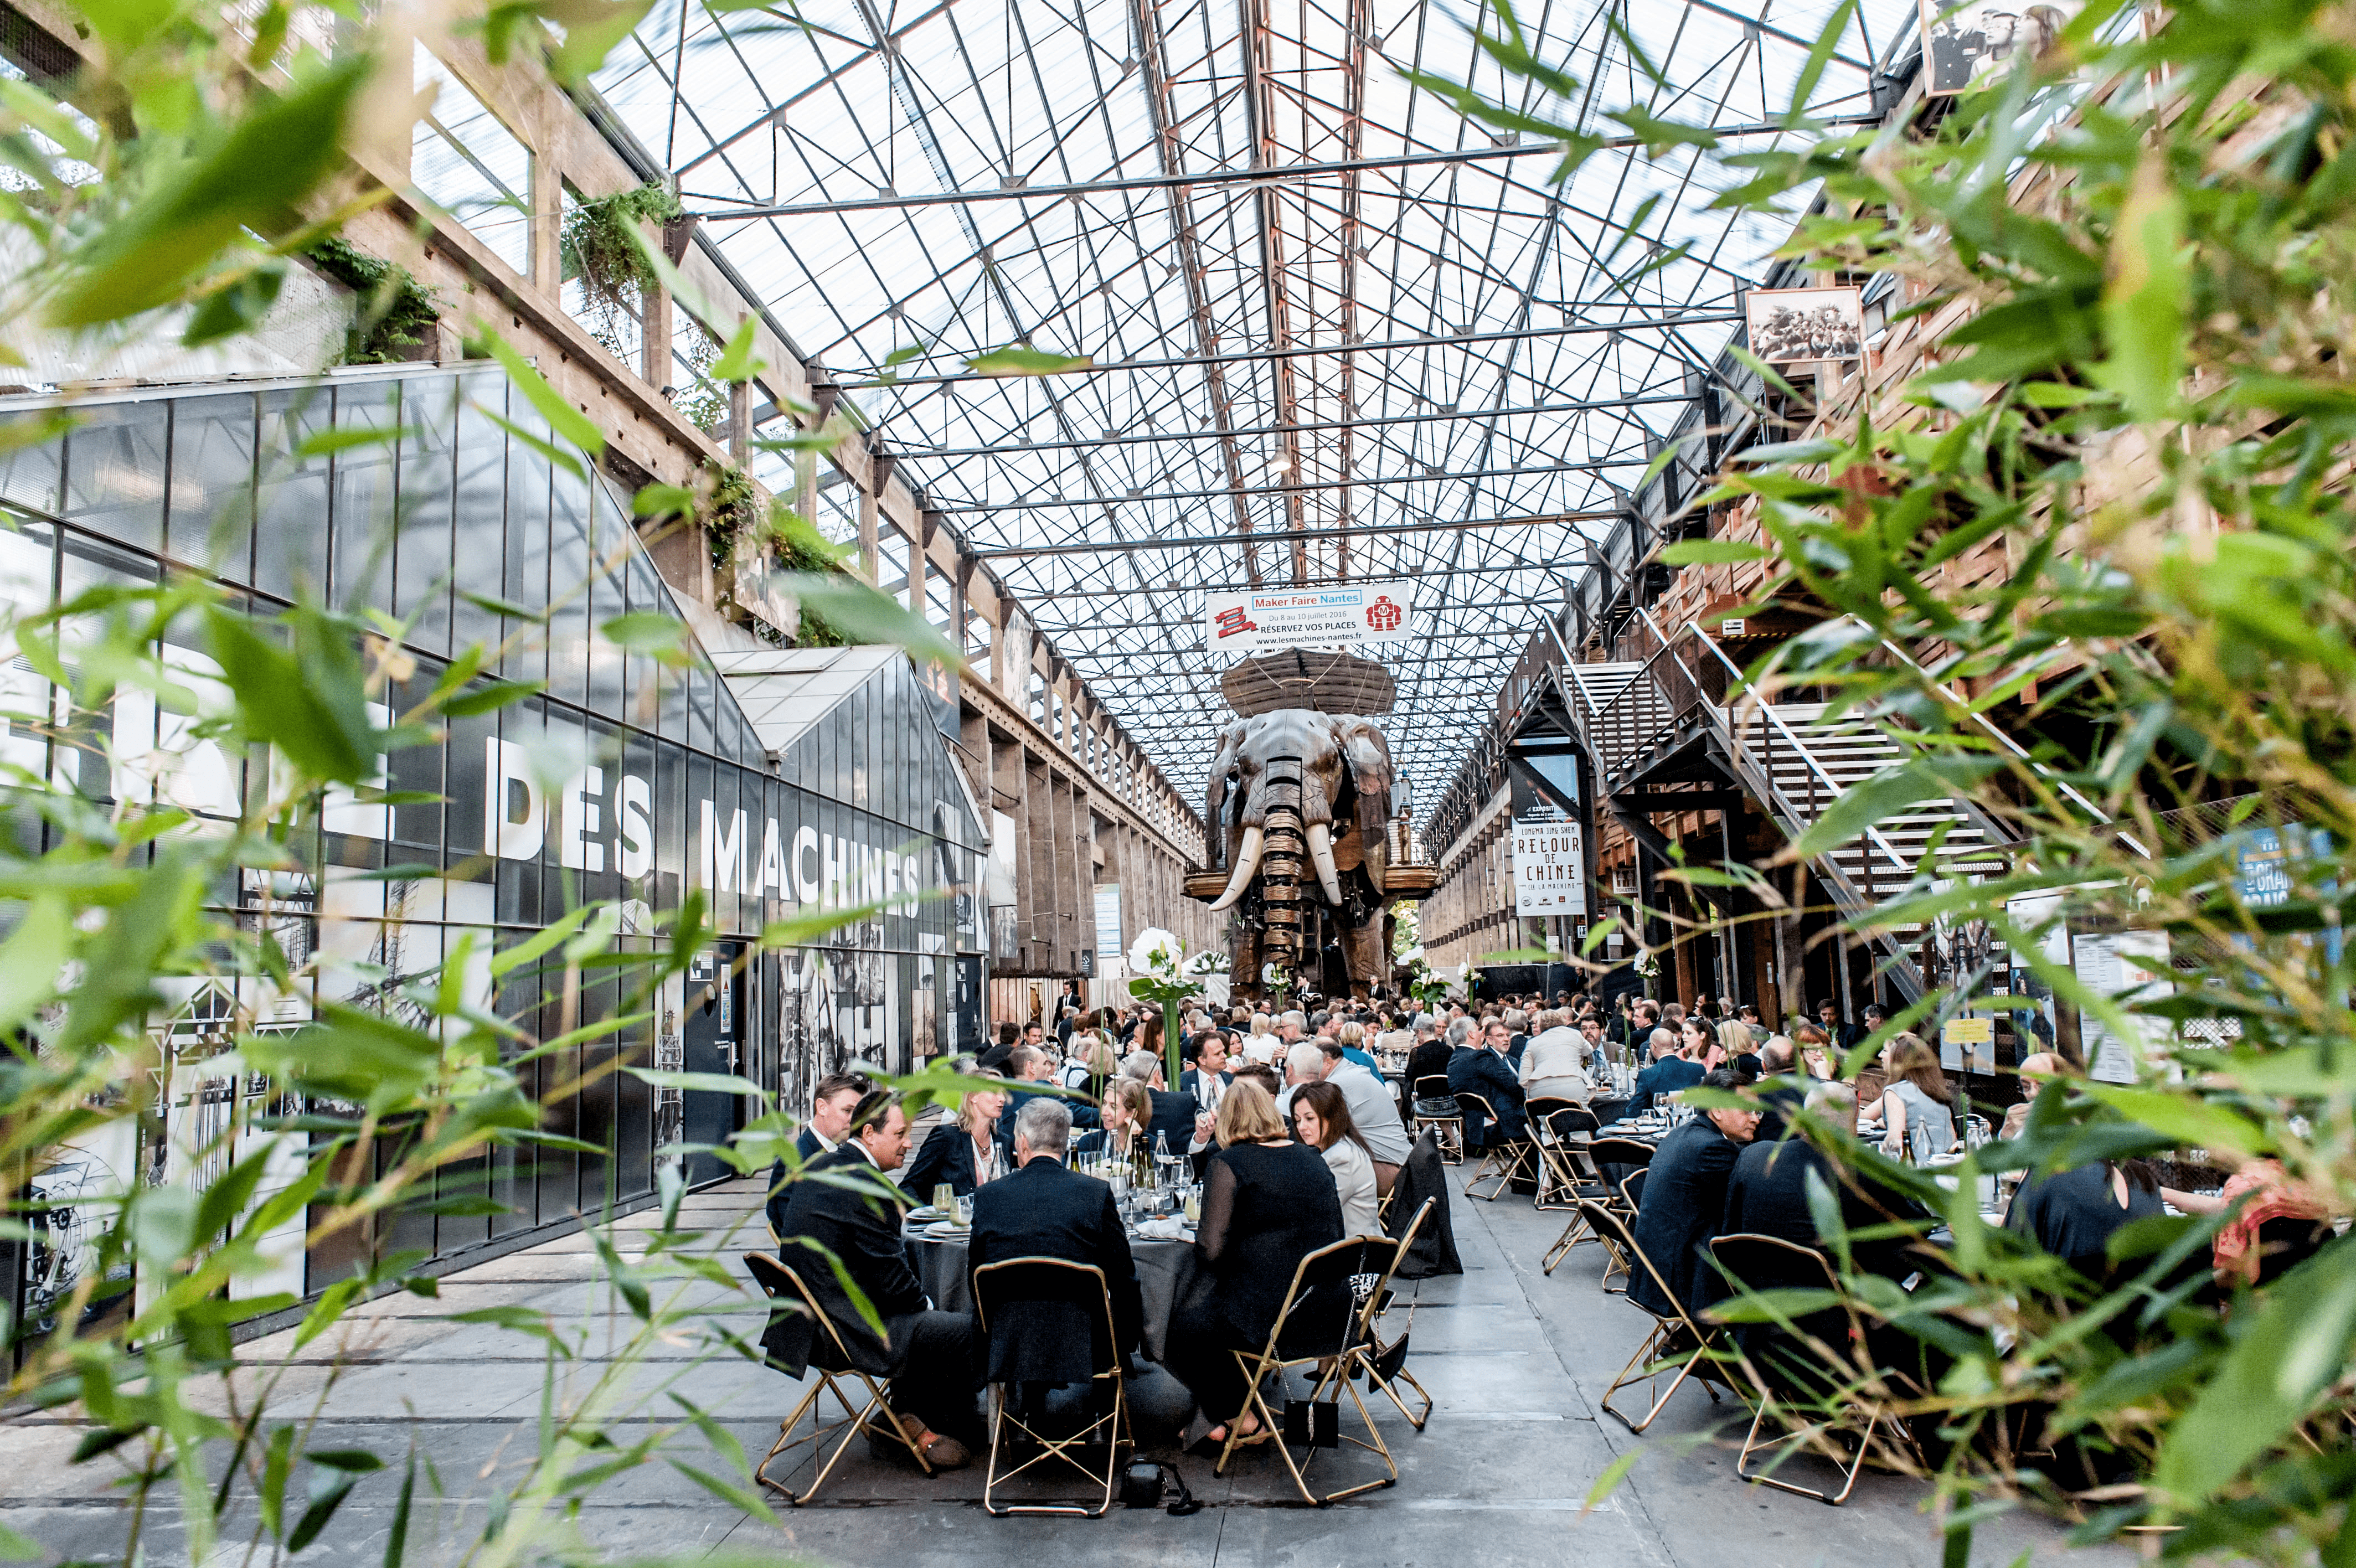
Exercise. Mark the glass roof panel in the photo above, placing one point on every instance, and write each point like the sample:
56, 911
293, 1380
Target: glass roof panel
1429, 362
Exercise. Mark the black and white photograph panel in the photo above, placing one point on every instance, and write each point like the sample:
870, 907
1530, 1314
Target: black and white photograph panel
1791, 326
1962, 44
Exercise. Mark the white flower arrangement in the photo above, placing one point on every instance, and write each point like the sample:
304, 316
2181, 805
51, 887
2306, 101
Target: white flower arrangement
1155, 952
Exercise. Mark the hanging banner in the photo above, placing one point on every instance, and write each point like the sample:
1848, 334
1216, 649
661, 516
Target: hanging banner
1344, 615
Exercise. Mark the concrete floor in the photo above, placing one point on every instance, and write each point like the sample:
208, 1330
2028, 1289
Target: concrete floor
1516, 1359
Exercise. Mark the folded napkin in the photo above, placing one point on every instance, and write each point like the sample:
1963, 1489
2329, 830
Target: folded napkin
1162, 1228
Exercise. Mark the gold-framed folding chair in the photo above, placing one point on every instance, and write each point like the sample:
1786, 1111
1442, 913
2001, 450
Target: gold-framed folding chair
1807, 1373
831, 1359
1560, 1131
1447, 1126
1501, 1161
1603, 1154
1385, 1360
1050, 1322
1323, 1324
1677, 1340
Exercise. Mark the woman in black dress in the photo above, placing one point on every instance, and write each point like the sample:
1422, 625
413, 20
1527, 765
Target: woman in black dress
1268, 1202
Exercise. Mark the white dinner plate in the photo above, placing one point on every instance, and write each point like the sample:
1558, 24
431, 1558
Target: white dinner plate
947, 1229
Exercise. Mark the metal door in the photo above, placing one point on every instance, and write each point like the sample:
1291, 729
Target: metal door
714, 1040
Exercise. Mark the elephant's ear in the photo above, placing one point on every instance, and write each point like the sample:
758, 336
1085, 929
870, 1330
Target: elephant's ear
1231, 739
1369, 756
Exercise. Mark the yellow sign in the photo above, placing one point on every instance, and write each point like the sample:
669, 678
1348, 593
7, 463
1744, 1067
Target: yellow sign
1968, 1031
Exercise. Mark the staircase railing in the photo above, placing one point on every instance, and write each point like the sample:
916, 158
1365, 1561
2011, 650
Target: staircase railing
1667, 693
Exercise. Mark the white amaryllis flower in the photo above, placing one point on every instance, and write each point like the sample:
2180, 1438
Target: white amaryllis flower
1154, 951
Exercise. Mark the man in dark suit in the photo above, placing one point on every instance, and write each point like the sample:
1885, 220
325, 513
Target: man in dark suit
1031, 1065
856, 1217
1206, 1081
1668, 1073
838, 1095
1685, 1204
1045, 1211
1174, 1113
1479, 1067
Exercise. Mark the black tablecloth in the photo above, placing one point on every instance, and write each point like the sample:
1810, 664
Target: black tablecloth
1167, 1276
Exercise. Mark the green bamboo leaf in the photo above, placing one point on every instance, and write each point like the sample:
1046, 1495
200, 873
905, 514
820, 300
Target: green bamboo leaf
1020, 359
1709, 552
737, 362
644, 632
703, 1082
563, 417
864, 614
2143, 306
2290, 1354
247, 177
490, 699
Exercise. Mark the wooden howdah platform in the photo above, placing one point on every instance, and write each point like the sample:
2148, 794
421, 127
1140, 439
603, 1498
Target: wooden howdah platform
1402, 883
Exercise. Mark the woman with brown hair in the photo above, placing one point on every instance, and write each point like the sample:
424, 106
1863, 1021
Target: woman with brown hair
1916, 1108
1321, 1115
1268, 1202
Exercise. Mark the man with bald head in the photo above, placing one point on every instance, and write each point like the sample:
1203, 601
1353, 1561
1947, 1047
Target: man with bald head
1668, 1073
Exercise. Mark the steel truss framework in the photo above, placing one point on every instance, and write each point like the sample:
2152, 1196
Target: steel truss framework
1339, 330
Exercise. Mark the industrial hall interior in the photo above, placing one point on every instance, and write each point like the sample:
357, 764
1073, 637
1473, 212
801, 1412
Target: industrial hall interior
954, 782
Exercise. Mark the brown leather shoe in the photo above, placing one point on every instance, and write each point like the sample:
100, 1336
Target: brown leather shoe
944, 1452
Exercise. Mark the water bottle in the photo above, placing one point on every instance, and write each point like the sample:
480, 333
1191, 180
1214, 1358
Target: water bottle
1162, 1158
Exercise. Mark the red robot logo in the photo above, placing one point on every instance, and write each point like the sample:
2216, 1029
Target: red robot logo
1233, 621
1383, 615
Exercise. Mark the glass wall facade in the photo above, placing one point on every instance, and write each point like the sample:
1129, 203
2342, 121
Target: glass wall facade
628, 779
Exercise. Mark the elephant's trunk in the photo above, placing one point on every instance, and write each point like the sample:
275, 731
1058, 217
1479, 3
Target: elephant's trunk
1320, 855
1247, 866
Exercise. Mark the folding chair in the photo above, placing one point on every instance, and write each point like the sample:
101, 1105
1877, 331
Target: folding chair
1602, 1154
1807, 1371
1386, 1364
1504, 1162
1677, 1340
1050, 1322
1558, 1131
829, 1358
1323, 1323
1447, 1127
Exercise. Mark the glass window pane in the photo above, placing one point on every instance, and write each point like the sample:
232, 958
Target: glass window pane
471, 165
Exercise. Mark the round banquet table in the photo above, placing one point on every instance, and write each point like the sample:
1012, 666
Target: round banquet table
1167, 1278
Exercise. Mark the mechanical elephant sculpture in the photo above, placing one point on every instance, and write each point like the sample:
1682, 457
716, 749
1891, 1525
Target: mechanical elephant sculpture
1299, 804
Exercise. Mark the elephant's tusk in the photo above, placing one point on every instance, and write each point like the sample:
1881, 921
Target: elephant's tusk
1321, 853
1247, 866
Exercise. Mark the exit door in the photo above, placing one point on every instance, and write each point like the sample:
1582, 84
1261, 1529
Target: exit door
712, 1040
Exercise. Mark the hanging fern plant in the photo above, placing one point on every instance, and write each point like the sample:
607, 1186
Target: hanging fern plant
397, 313
597, 247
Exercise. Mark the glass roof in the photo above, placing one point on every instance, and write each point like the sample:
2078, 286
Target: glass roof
1431, 363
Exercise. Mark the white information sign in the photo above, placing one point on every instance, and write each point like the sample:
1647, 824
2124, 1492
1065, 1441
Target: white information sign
2129, 966
1549, 871
1341, 615
1110, 942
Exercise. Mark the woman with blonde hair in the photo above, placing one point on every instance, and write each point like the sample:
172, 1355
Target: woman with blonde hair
1268, 1202
1916, 1108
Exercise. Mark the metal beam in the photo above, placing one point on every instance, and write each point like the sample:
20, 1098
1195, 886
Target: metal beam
1636, 461
1455, 340
1105, 547
1277, 174
1596, 406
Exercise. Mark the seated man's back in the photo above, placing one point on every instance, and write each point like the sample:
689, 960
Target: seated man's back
1047, 1211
